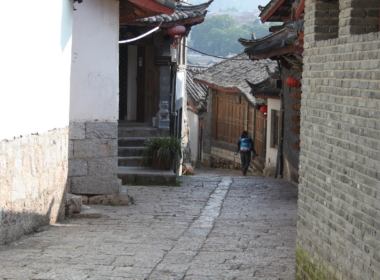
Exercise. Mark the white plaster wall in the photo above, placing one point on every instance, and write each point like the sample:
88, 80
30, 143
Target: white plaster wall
194, 134
35, 59
95, 79
180, 89
271, 156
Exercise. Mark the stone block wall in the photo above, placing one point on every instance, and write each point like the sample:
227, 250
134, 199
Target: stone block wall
93, 158
339, 190
33, 178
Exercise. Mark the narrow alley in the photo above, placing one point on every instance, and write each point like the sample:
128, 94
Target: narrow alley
216, 225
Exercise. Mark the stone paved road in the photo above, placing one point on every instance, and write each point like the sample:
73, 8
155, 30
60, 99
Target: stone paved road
217, 225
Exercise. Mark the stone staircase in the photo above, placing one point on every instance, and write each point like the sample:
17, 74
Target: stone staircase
131, 169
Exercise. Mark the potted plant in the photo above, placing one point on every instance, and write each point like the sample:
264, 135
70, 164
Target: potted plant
161, 151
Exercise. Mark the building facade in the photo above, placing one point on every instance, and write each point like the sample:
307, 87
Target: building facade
59, 109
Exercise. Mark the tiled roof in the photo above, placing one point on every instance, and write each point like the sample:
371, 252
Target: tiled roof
182, 11
233, 73
287, 36
196, 93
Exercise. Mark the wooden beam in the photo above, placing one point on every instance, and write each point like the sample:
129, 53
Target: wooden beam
153, 6
300, 8
265, 18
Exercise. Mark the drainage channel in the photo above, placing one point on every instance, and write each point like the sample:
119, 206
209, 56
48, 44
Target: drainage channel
178, 260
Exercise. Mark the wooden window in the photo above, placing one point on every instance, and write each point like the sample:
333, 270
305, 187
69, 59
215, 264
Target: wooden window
275, 129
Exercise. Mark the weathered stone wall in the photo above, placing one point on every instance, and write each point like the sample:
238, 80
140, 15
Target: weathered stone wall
93, 158
339, 190
33, 177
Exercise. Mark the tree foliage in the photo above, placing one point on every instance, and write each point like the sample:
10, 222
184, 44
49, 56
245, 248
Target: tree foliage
218, 35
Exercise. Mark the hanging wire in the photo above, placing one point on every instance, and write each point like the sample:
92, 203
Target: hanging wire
211, 54
141, 36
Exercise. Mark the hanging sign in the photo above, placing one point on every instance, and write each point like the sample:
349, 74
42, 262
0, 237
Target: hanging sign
296, 119
296, 145
296, 129
297, 106
296, 95
162, 60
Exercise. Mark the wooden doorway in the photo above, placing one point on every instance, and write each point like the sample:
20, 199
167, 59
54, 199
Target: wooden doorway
146, 84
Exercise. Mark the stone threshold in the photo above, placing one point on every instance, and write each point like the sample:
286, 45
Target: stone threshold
146, 176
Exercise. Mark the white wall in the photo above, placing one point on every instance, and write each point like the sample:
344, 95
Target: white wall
35, 59
194, 133
95, 78
271, 156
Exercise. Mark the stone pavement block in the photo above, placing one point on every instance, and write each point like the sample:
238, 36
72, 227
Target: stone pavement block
214, 227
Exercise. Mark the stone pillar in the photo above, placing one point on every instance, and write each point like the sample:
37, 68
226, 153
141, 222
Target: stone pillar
358, 17
321, 20
163, 115
93, 158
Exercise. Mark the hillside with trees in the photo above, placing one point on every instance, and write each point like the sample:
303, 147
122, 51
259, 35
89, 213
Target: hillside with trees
218, 35
225, 5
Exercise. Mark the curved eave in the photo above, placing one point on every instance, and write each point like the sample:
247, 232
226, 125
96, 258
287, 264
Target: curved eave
187, 21
199, 7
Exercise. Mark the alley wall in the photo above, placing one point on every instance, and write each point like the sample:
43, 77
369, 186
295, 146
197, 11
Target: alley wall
339, 190
94, 98
34, 114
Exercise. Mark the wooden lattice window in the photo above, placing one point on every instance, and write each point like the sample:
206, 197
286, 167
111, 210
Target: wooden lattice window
275, 128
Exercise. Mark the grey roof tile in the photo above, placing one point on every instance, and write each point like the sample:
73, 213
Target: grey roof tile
234, 72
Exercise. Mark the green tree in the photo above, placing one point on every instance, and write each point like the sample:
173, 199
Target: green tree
218, 35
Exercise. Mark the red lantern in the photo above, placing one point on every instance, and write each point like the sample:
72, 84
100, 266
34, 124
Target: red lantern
176, 30
290, 81
263, 109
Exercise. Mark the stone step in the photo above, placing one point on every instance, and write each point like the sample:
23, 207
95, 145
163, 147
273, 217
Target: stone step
133, 124
138, 132
130, 161
142, 132
130, 151
132, 141
146, 176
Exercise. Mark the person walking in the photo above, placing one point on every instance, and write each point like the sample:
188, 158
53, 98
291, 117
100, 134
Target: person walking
245, 146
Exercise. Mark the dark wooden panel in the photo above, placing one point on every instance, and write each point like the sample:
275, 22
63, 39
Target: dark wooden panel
141, 70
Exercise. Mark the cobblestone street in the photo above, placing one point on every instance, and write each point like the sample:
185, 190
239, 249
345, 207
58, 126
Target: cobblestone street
216, 225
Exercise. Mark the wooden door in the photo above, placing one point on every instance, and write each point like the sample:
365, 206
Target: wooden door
229, 117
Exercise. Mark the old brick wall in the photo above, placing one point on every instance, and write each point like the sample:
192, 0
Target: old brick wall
33, 177
339, 190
